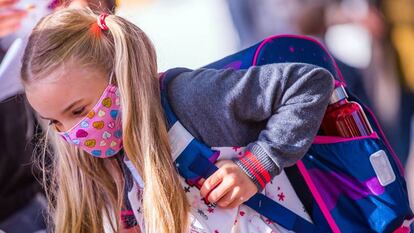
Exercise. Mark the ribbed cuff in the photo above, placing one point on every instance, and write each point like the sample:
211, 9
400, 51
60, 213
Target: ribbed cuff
258, 166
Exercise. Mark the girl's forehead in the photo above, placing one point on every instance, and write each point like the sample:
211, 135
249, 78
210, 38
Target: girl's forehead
67, 74
51, 92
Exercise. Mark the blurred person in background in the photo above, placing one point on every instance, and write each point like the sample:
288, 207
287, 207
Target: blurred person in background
22, 204
399, 15
363, 23
255, 21
303, 17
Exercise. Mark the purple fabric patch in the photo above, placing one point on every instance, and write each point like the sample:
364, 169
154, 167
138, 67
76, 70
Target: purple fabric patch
235, 65
332, 185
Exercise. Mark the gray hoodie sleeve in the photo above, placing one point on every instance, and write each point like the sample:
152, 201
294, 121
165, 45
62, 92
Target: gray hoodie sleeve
275, 110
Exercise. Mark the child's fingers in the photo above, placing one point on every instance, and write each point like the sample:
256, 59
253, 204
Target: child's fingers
7, 3
201, 182
221, 163
235, 203
228, 198
210, 183
12, 14
4, 31
10, 21
220, 191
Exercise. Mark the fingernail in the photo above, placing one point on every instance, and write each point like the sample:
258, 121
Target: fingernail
206, 198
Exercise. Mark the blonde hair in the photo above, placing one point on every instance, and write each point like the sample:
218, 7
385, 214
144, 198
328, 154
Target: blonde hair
83, 189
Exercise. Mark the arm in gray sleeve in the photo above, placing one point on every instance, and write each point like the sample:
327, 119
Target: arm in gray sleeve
287, 99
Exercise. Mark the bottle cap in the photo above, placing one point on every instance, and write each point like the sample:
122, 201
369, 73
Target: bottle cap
338, 94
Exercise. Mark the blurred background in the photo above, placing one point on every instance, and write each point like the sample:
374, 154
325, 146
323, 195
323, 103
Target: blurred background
372, 41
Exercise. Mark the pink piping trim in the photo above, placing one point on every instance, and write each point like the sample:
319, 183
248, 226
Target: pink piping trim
318, 197
387, 144
160, 78
331, 139
299, 37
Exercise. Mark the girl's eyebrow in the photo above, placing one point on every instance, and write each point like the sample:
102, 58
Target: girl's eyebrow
65, 110
71, 106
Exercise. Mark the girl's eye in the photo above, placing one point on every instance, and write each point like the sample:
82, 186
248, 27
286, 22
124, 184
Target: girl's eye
79, 111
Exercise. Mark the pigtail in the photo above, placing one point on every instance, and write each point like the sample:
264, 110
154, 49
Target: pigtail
145, 135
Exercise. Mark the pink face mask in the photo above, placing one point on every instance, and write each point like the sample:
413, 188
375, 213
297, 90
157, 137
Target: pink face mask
100, 132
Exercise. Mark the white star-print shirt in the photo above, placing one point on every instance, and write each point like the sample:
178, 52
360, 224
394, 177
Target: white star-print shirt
208, 218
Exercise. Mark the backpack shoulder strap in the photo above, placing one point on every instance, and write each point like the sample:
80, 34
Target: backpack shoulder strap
184, 147
164, 79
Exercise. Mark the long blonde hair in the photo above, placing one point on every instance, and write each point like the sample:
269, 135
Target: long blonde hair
83, 189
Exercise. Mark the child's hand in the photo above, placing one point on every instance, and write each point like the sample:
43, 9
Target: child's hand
10, 18
228, 187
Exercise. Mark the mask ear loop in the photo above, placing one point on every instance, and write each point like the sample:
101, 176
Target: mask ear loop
110, 77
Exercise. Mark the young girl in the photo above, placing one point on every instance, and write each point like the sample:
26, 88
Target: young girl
81, 71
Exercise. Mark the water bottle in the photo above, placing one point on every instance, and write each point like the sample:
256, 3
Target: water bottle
345, 118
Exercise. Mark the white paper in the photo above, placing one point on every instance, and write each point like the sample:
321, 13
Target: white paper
10, 70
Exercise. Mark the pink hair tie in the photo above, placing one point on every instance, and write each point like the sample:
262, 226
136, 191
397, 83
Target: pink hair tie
101, 21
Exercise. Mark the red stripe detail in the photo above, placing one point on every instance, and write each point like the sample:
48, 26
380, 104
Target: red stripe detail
127, 212
252, 170
259, 165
